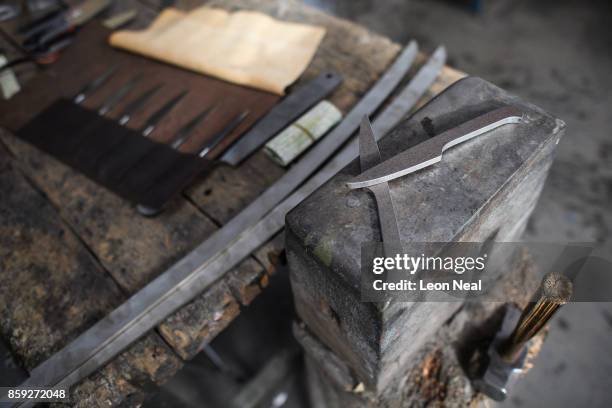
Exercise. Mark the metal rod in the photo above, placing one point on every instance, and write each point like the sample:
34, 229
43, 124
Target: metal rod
554, 292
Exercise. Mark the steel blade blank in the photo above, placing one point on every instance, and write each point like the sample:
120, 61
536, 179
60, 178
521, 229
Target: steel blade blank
430, 151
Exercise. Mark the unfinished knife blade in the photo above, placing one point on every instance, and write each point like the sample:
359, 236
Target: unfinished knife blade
430, 151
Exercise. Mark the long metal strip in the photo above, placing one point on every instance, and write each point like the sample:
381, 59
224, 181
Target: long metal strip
409, 96
213, 258
369, 156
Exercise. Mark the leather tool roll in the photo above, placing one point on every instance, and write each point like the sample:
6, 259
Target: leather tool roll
149, 173
143, 170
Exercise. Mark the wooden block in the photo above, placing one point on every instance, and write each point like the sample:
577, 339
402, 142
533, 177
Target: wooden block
488, 196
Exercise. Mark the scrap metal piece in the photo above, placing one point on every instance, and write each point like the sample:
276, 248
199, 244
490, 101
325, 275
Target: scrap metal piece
282, 115
158, 115
410, 95
118, 95
95, 84
137, 104
430, 151
369, 156
208, 262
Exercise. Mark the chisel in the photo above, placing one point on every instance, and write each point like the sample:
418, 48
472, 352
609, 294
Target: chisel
81, 146
217, 138
136, 105
156, 117
118, 95
93, 86
183, 134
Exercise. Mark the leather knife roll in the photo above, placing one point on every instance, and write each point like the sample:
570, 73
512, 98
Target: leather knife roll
146, 172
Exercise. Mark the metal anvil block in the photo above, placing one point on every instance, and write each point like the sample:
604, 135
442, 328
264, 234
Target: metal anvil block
483, 189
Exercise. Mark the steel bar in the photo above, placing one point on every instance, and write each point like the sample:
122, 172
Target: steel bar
430, 151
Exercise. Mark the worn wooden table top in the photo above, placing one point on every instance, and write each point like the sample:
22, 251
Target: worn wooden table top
70, 251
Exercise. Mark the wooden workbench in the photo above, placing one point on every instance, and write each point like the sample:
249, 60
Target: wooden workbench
70, 251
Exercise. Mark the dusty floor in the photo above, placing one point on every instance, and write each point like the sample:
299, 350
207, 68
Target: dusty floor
555, 54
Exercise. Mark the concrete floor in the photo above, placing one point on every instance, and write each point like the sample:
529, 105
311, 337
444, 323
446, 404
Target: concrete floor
555, 54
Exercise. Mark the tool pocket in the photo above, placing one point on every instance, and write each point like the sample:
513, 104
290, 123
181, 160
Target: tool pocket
122, 160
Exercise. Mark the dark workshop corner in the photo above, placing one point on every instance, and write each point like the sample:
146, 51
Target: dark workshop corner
256, 333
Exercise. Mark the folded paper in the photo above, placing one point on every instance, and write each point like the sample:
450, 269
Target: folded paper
244, 47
